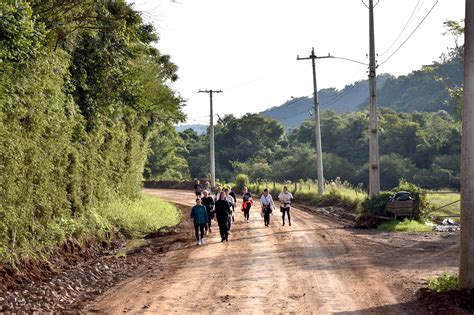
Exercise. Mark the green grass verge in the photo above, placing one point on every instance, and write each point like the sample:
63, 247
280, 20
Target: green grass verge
132, 218
445, 282
136, 218
404, 226
439, 200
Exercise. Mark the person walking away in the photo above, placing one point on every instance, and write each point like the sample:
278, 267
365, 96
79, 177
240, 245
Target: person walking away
218, 193
231, 202
199, 216
246, 203
232, 193
285, 204
197, 188
208, 202
266, 201
222, 209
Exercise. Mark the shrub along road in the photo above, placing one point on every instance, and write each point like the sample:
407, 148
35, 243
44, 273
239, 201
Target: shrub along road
317, 265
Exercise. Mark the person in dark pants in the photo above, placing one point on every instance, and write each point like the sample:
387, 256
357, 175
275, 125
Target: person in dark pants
246, 203
231, 201
232, 193
208, 202
266, 201
285, 204
198, 188
199, 216
222, 208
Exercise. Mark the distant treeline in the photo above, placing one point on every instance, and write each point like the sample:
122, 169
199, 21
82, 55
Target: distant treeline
82, 89
420, 147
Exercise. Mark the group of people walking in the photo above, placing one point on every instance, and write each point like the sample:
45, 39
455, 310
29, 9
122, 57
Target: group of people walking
221, 207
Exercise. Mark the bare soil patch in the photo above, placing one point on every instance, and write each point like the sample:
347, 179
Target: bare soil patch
79, 274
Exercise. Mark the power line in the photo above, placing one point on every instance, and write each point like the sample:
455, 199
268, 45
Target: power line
410, 19
351, 60
367, 5
409, 36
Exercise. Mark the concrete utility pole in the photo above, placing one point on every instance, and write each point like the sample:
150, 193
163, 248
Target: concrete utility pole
211, 138
466, 268
374, 170
319, 151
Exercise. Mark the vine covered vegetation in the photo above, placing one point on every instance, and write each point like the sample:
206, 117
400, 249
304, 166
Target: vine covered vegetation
82, 90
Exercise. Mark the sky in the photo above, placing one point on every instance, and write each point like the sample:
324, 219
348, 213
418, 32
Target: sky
248, 48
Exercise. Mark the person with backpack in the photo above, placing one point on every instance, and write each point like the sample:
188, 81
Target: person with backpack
246, 203
232, 193
222, 208
266, 201
285, 204
231, 201
208, 202
200, 219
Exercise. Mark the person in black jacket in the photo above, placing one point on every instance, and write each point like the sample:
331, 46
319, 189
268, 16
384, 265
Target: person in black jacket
208, 202
222, 208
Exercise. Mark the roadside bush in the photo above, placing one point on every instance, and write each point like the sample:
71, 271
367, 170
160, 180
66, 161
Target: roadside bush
445, 282
241, 180
375, 206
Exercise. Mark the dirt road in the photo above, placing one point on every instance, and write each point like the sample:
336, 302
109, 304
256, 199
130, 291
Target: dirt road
315, 266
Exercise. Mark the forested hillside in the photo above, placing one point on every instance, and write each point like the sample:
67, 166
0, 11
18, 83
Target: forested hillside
82, 90
349, 99
426, 89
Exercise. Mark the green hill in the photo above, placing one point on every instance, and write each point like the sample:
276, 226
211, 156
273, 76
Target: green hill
421, 90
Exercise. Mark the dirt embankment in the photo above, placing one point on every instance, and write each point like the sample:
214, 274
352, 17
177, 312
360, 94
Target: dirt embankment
79, 274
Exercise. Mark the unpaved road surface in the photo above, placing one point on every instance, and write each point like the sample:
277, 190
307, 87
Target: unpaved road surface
315, 266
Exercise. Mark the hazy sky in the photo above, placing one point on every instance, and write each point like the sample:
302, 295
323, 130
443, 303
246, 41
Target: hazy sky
248, 48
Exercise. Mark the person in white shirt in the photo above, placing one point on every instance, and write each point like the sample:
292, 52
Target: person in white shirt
266, 201
231, 202
285, 204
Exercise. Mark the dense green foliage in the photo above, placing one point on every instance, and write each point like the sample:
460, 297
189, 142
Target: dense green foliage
82, 89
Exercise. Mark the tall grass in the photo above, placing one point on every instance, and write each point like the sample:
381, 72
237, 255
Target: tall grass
131, 218
336, 193
439, 200
135, 218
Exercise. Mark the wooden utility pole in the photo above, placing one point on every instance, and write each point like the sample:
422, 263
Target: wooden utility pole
466, 268
212, 156
374, 170
319, 151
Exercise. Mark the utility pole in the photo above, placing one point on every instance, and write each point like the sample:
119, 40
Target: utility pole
466, 268
211, 138
374, 170
319, 151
